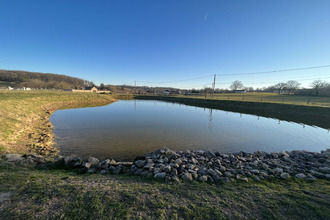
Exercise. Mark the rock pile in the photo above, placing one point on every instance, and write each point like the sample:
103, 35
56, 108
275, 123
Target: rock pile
213, 167
206, 166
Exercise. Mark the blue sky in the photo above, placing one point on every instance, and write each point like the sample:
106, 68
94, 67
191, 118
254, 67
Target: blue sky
161, 43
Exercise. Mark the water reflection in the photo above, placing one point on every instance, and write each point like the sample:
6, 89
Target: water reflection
124, 130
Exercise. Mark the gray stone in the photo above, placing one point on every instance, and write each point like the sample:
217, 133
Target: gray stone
13, 157
202, 172
255, 171
222, 169
157, 170
325, 170
278, 170
140, 163
203, 178
301, 176
103, 171
228, 174
193, 160
91, 170
211, 172
174, 172
87, 165
160, 175
285, 175
178, 161
117, 170
93, 161
256, 178
149, 165
187, 176
167, 169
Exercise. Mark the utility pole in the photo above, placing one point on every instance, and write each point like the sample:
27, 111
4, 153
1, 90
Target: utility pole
215, 75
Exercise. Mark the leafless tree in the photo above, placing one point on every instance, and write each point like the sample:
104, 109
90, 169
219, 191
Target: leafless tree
236, 85
292, 85
280, 87
319, 84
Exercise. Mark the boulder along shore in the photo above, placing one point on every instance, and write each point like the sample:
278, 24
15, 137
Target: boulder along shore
207, 166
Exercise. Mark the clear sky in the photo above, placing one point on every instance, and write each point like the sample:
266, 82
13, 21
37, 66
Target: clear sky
153, 41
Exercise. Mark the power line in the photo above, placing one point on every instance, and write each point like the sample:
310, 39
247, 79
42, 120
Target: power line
275, 71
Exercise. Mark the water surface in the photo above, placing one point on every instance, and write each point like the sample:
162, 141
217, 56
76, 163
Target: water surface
129, 128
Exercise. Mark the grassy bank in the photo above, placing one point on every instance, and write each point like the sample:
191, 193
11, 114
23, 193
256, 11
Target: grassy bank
311, 115
24, 117
59, 194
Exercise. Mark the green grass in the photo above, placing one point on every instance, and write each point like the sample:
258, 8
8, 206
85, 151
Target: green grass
24, 115
59, 194
320, 101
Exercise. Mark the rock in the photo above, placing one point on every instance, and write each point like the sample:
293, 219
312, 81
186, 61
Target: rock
118, 170
87, 165
203, 178
176, 179
167, 169
222, 169
91, 170
325, 170
278, 170
174, 172
202, 172
256, 178
103, 171
178, 161
211, 172
319, 175
228, 174
193, 160
149, 165
255, 171
93, 161
187, 176
13, 157
160, 175
225, 179
140, 163
264, 166
301, 176
157, 170
285, 175
138, 171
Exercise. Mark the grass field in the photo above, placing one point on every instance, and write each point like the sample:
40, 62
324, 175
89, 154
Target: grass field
24, 115
60, 194
320, 101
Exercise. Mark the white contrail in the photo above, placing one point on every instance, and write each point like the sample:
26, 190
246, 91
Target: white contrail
205, 17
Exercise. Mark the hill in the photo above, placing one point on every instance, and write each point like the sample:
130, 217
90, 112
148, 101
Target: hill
37, 80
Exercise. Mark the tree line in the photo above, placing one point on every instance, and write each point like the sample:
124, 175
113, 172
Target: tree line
289, 87
42, 80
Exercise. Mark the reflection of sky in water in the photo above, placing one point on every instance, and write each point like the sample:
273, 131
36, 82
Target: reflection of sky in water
125, 129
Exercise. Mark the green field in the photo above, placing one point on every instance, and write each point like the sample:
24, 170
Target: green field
24, 124
320, 101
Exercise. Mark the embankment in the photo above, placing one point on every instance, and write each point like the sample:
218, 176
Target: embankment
309, 115
24, 118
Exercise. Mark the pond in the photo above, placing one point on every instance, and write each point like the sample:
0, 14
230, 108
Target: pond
130, 128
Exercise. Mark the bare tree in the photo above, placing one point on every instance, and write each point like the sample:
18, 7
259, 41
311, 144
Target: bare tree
319, 84
236, 85
292, 85
280, 87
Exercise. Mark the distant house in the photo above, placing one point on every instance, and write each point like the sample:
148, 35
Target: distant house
91, 89
239, 91
167, 92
